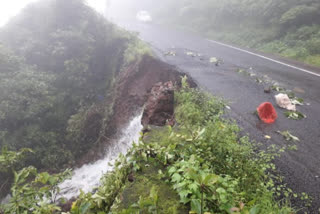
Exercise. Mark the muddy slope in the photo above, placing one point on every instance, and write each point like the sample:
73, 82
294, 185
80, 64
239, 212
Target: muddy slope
131, 91
134, 85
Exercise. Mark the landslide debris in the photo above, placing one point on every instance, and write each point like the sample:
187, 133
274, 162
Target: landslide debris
159, 108
135, 84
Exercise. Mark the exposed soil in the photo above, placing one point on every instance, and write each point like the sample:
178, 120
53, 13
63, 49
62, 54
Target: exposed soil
133, 86
159, 108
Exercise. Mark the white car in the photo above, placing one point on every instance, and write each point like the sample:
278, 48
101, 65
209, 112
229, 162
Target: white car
144, 16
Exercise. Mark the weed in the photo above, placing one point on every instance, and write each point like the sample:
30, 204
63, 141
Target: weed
295, 115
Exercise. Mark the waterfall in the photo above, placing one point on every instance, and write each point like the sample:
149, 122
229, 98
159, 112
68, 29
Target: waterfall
88, 176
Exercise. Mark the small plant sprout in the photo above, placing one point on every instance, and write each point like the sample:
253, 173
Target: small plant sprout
277, 88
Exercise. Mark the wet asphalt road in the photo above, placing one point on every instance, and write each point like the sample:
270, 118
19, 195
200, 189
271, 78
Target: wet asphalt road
300, 168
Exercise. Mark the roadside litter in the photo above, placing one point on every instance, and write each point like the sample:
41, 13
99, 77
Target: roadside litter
268, 137
216, 61
288, 136
170, 53
189, 53
284, 101
213, 60
295, 115
267, 113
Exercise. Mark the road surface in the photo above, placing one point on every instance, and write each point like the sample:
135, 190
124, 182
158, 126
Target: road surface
245, 92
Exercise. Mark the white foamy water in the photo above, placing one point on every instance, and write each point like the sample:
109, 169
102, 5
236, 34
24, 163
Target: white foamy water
88, 176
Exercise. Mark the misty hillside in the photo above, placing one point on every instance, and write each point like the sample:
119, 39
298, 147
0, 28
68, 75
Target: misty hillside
59, 60
63, 59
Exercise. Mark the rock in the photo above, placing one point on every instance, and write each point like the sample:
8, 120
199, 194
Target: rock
133, 88
131, 177
146, 129
68, 205
267, 90
159, 108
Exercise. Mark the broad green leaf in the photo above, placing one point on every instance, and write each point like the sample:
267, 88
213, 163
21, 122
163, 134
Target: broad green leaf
176, 177
254, 210
196, 205
84, 208
210, 179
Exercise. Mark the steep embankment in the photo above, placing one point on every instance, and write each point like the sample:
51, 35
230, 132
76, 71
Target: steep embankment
56, 74
56, 80
136, 82
129, 95
198, 164
63, 94
59, 72
132, 89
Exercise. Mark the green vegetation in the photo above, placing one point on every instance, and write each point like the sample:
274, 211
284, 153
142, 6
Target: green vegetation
31, 192
202, 165
288, 136
57, 80
290, 28
57, 77
294, 115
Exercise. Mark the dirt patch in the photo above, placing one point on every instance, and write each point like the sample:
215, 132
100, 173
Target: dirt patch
135, 84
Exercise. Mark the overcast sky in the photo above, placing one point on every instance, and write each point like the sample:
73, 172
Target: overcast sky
10, 8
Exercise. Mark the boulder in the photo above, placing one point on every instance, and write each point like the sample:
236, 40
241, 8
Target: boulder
159, 107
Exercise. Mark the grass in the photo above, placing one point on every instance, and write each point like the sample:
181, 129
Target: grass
294, 44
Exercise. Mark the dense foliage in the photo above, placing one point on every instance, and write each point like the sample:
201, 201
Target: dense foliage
58, 64
287, 27
31, 192
210, 167
59, 71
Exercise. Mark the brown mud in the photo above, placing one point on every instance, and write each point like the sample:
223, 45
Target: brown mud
131, 92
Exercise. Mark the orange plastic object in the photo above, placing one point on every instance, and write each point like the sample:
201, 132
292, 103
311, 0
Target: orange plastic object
267, 112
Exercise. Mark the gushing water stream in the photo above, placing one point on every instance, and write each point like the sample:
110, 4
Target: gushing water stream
88, 176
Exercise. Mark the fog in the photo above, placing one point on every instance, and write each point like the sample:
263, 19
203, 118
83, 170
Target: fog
127, 9
12, 8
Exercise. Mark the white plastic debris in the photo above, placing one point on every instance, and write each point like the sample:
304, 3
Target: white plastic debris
284, 101
213, 60
268, 137
189, 53
170, 53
